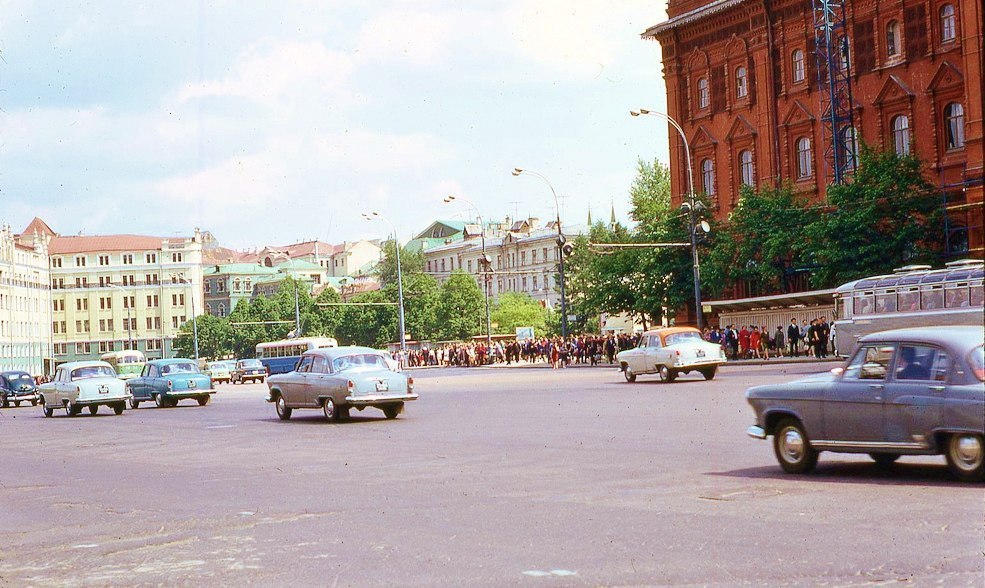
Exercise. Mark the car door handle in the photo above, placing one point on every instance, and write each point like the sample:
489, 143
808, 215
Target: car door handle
876, 386
937, 388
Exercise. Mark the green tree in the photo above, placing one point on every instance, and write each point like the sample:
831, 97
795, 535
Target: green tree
422, 295
761, 241
887, 216
411, 262
461, 307
215, 338
517, 309
370, 325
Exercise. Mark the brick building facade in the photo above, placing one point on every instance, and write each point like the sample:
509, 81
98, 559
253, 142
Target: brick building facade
742, 81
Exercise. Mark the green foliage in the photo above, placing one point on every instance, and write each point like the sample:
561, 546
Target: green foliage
373, 326
422, 296
214, 338
516, 309
762, 240
888, 216
461, 307
411, 262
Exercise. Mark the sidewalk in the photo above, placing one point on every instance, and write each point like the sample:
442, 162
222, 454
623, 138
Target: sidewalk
823, 364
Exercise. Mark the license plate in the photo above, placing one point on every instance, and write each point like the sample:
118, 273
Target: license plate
104, 390
191, 384
700, 353
382, 386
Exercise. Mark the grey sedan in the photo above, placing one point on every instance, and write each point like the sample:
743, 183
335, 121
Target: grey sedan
906, 392
336, 379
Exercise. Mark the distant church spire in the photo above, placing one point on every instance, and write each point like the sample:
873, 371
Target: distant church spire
589, 216
612, 217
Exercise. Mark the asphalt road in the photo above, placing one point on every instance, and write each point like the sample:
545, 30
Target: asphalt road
495, 477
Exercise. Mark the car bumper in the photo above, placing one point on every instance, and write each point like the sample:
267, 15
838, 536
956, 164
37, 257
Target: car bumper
102, 400
23, 397
189, 393
378, 399
699, 363
756, 432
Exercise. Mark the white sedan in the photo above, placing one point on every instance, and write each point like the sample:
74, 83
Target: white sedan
669, 352
84, 384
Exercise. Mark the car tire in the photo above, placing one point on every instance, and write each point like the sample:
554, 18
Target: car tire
72, 409
159, 401
343, 413
134, 404
629, 375
667, 375
34, 403
4, 403
17, 404
261, 380
118, 408
965, 454
392, 410
328, 407
793, 448
203, 400
93, 409
884, 460
47, 410
283, 411
709, 373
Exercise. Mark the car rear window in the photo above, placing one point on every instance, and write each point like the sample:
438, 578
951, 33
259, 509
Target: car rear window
179, 368
977, 361
678, 338
360, 361
95, 371
19, 377
251, 363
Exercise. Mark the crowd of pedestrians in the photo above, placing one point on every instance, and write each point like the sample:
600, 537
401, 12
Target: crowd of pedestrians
813, 339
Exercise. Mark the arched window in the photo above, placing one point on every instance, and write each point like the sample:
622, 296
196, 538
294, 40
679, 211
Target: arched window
708, 176
805, 168
703, 94
893, 38
799, 66
947, 23
222, 309
901, 134
741, 83
954, 125
849, 138
745, 168
208, 308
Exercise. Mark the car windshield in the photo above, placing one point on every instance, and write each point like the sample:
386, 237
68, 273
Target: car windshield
251, 363
977, 361
93, 371
179, 368
19, 378
360, 361
678, 338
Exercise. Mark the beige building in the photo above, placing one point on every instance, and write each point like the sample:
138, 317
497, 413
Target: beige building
116, 292
524, 259
25, 302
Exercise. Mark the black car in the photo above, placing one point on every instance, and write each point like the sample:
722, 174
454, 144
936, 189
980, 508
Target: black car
17, 387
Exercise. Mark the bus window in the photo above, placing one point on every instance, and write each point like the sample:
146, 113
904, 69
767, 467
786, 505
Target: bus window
863, 303
977, 295
841, 308
932, 299
956, 297
909, 301
886, 302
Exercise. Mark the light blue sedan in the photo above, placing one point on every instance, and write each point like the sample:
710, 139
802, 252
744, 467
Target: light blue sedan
166, 381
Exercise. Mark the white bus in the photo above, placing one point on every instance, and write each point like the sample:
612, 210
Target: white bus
127, 363
913, 296
280, 356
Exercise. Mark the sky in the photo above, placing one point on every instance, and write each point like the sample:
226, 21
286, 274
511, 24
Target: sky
278, 125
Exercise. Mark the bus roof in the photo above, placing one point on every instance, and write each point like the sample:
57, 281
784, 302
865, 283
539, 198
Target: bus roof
967, 270
317, 341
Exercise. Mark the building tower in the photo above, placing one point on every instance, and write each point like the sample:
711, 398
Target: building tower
834, 66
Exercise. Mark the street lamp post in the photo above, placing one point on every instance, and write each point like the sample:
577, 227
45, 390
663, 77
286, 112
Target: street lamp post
400, 281
560, 243
485, 264
297, 306
693, 206
127, 304
191, 289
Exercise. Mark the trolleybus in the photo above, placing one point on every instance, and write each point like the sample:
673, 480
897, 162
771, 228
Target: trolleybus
127, 363
280, 356
912, 296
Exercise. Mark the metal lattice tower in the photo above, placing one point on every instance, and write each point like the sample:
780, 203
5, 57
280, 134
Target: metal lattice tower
833, 56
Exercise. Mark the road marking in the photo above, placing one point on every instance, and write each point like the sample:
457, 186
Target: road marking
220, 426
85, 546
542, 574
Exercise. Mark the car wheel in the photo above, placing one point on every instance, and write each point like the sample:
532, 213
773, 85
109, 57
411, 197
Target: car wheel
328, 407
17, 404
343, 412
134, 403
34, 403
93, 408
392, 410
666, 374
709, 373
793, 447
628, 373
966, 457
72, 409
4, 403
884, 460
47, 410
159, 401
282, 409
203, 400
118, 408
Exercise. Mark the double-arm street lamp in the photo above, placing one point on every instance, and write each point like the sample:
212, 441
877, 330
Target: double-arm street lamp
294, 278
485, 264
400, 280
126, 303
693, 206
181, 279
560, 244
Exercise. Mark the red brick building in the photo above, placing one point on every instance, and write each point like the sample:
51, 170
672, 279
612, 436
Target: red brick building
741, 80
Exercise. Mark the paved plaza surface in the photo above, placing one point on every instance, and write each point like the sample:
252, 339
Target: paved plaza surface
495, 477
